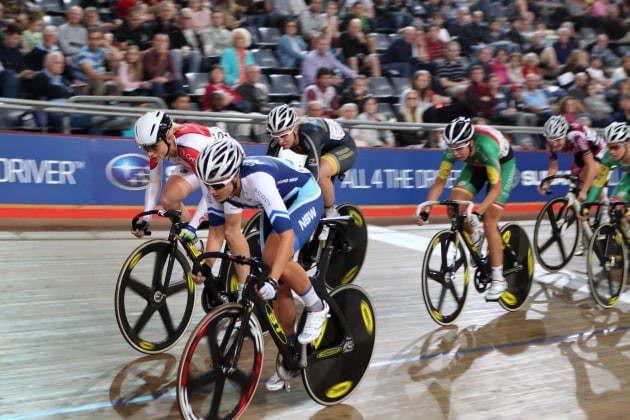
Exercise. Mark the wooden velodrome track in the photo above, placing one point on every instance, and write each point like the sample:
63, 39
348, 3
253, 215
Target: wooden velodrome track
63, 356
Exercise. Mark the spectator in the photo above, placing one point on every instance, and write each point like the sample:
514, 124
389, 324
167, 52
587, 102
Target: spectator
356, 92
374, 137
159, 69
229, 98
33, 36
254, 98
478, 96
284, 9
596, 73
91, 17
90, 65
613, 25
515, 68
331, 23
514, 35
477, 30
234, 60
130, 74
499, 66
622, 72
188, 56
459, 28
50, 85
134, 31
179, 101
231, 15
350, 112
312, 22
73, 35
398, 57
577, 63
436, 47
359, 50
530, 65
495, 33
597, 105
200, 15
359, 11
623, 114
431, 104
452, 73
324, 92
483, 58
538, 44
410, 112
34, 60
536, 99
291, 47
601, 48
558, 54
12, 60
216, 38
394, 14
517, 113
578, 89
314, 109
571, 109
322, 57
253, 12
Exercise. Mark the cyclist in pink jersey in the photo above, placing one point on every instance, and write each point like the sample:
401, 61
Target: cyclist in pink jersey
586, 146
162, 139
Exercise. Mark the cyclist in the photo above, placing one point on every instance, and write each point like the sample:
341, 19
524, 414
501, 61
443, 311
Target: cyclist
487, 157
616, 138
328, 148
292, 205
162, 139
587, 147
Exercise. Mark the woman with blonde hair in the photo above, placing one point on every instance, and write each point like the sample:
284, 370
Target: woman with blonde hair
130, 73
236, 59
410, 112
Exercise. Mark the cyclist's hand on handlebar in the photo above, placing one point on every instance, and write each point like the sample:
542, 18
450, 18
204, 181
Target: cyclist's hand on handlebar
582, 196
142, 228
422, 218
198, 277
543, 190
268, 290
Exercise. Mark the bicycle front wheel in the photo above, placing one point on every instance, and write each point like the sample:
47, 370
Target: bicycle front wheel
220, 366
556, 234
152, 317
445, 277
607, 266
334, 375
518, 266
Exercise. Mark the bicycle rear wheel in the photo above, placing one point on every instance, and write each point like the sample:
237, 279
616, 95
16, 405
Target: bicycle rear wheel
518, 266
252, 225
556, 234
151, 317
607, 266
345, 264
445, 277
333, 376
216, 379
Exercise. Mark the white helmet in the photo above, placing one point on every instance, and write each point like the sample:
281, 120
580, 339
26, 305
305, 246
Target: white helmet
460, 130
219, 161
281, 118
616, 132
152, 127
555, 127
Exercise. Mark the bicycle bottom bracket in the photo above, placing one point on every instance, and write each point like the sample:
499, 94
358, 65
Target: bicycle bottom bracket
482, 282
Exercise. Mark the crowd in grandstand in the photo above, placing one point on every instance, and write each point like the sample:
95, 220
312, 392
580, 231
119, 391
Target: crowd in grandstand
504, 62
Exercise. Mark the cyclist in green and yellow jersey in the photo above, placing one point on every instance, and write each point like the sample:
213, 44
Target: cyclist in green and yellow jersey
487, 157
617, 156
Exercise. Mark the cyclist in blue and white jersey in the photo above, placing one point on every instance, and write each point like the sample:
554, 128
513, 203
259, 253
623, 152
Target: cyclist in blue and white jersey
292, 204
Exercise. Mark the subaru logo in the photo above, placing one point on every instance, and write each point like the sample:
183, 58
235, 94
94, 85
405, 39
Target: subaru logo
129, 171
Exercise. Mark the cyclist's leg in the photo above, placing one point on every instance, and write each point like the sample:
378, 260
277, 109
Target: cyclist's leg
467, 186
235, 239
179, 186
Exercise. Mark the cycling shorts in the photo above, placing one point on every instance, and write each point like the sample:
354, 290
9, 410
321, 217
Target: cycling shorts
622, 190
342, 157
473, 178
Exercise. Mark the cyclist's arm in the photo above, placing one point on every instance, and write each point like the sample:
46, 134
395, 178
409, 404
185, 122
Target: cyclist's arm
273, 149
438, 186
152, 193
600, 181
591, 167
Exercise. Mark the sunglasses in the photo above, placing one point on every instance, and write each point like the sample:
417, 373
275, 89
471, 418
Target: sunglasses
284, 136
460, 148
554, 139
615, 147
218, 186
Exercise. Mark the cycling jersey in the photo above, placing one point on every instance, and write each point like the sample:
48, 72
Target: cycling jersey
581, 141
190, 139
321, 138
622, 190
493, 162
289, 196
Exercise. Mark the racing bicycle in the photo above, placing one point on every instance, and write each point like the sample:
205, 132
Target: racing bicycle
346, 262
155, 293
445, 274
607, 264
559, 226
222, 360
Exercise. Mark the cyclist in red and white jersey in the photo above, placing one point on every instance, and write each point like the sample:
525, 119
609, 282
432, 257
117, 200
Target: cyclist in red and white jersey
587, 147
162, 139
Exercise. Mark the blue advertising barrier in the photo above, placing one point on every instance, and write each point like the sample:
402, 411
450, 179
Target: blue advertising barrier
51, 169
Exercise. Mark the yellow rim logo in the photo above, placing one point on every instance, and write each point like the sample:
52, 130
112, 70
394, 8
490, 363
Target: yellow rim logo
466, 276
509, 298
191, 283
135, 260
358, 219
233, 284
329, 352
318, 341
366, 314
339, 390
613, 300
507, 235
350, 275
146, 345
437, 315
271, 316
530, 262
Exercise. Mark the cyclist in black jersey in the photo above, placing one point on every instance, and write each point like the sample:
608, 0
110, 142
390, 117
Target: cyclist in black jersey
328, 148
